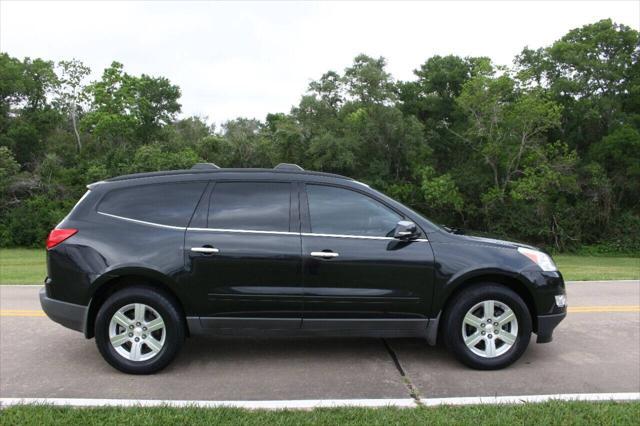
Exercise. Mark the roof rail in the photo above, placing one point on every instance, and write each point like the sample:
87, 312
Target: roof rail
288, 166
204, 166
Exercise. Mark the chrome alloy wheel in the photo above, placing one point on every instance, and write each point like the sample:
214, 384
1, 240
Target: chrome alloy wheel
489, 328
137, 332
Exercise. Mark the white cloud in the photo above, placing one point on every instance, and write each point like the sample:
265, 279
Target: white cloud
247, 59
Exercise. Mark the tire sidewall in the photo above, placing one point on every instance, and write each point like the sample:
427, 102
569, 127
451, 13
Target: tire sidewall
173, 327
465, 301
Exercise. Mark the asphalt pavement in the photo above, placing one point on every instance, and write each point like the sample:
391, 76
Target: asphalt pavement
595, 350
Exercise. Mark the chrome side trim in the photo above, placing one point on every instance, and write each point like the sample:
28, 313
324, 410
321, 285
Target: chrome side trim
250, 231
142, 222
243, 231
360, 237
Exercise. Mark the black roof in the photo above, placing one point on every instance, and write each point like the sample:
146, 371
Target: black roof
206, 168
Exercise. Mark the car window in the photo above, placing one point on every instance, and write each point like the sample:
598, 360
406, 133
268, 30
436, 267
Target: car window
341, 211
165, 204
257, 206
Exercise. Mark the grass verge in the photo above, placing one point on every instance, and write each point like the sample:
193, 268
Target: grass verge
555, 412
27, 266
586, 268
22, 266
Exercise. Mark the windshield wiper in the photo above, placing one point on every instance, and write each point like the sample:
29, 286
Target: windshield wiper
453, 230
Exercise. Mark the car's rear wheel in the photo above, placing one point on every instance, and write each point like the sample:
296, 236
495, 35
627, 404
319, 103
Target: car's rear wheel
487, 326
139, 330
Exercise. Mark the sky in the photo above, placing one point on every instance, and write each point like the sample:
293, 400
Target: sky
246, 59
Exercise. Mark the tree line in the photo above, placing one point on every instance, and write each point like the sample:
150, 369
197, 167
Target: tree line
546, 150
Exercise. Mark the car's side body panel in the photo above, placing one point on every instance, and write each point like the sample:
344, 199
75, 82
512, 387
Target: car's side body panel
253, 275
462, 259
372, 277
269, 281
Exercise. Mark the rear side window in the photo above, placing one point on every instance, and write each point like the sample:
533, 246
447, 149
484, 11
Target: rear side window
166, 204
257, 206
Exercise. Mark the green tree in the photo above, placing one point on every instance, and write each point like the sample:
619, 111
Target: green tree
589, 71
549, 183
12, 90
129, 109
39, 80
71, 94
328, 152
387, 143
619, 152
287, 139
9, 168
441, 194
367, 81
245, 145
505, 124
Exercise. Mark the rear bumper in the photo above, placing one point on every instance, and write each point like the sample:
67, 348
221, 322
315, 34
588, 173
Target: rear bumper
546, 325
67, 314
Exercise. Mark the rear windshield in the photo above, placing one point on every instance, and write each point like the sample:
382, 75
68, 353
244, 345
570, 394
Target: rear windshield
165, 204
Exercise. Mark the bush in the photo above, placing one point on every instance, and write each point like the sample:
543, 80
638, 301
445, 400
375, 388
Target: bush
28, 224
622, 237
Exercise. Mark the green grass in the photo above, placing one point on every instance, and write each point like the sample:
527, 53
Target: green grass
564, 413
22, 266
27, 266
579, 268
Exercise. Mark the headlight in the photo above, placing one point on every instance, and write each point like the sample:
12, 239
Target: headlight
539, 258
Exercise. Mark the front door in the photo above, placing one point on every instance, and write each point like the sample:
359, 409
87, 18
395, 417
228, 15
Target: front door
353, 268
246, 263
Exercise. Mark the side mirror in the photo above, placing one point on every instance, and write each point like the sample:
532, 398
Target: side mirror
405, 230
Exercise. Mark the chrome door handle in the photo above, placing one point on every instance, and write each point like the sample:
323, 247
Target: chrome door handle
324, 254
205, 250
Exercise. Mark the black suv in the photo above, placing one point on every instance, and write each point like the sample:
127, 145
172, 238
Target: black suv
144, 260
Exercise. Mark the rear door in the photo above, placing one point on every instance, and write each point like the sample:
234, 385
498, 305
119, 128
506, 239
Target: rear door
245, 263
353, 267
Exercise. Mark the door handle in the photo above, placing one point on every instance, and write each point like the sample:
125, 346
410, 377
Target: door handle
324, 254
205, 250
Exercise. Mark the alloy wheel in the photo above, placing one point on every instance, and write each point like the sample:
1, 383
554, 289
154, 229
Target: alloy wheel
489, 328
137, 332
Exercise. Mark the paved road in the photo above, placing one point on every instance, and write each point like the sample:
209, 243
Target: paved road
595, 350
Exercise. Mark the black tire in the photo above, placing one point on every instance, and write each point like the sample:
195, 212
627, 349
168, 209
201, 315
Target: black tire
462, 303
164, 305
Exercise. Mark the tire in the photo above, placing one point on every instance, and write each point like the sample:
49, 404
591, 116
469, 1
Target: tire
468, 317
157, 344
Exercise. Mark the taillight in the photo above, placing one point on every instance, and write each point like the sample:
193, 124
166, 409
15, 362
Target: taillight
59, 235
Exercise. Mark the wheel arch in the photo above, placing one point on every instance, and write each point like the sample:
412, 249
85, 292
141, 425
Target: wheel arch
519, 286
110, 283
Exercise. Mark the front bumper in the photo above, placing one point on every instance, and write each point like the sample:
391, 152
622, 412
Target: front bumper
546, 325
67, 314
545, 287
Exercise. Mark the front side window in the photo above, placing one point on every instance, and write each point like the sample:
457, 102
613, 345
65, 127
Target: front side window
165, 204
341, 211
256, 206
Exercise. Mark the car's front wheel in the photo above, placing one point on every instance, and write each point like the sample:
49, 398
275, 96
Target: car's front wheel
139, 330
487, 326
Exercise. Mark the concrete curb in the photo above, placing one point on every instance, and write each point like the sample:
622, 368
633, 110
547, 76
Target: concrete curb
322, 403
